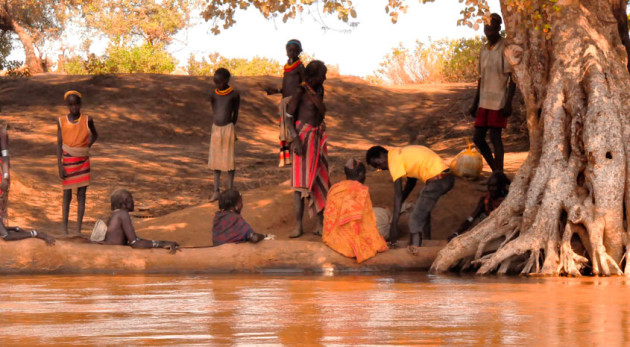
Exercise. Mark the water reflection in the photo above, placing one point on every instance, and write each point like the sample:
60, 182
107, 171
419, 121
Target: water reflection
290, 310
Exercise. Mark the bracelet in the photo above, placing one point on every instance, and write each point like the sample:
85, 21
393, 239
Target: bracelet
155, 243
470, 219
288, 115
5, 175
33, 233
5, 152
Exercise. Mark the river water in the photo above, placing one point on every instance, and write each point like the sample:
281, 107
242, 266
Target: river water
405, 309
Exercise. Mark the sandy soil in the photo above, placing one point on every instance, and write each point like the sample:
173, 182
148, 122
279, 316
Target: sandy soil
154, 137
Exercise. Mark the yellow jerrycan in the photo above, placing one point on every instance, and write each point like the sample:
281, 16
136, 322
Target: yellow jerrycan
468, 163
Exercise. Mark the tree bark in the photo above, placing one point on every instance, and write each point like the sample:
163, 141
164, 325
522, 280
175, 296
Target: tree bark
575, 181
33, 62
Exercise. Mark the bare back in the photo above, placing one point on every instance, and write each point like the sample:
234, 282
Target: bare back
225, 107
120, 229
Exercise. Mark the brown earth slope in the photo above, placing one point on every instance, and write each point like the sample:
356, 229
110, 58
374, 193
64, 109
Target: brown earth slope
154, 136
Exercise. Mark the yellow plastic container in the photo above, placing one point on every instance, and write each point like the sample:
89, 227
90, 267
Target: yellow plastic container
468, 163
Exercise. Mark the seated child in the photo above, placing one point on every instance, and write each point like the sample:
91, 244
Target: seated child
229, 225
120, 229
498, 185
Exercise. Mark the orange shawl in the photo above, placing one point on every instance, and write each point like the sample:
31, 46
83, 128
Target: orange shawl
349, 222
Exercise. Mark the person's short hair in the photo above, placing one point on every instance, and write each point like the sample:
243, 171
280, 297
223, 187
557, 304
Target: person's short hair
497, 17
315, 68
353, 169
119, 197
374, 152
295, 42
229, 199
223, 73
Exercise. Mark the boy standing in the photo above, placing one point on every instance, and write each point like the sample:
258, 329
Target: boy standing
75, 136
495, 91
309, 176
294, 74
225, 103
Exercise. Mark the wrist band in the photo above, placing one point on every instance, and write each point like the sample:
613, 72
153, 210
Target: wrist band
155, 244
470, 219
33, 233
5, 152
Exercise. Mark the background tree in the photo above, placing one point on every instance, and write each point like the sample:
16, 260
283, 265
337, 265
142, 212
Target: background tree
34, 22
570, 64
138, 21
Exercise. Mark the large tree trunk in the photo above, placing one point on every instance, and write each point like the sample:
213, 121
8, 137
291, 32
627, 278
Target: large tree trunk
32, 60
575, 182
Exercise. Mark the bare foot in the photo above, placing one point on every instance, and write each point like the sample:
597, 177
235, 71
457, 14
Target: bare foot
297, 232
413, 250
215, 196
318, 230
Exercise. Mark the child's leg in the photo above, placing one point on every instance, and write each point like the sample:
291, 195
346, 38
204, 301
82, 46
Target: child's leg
231, 179
65, 209
319, 227
81, 195
480, 141
497, 144
217, 185
299, 212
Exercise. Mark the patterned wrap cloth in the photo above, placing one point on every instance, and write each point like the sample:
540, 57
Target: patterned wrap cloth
229, 227
349, 222
310, 170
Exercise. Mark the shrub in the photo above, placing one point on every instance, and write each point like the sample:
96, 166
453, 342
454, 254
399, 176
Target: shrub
447, 60
119, 59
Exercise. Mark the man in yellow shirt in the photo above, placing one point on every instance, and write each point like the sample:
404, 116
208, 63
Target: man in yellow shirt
415, 163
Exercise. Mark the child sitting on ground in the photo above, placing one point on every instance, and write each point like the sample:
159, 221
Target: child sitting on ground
229, 226
498, 185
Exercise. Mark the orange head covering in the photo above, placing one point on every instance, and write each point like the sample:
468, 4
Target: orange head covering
72, 92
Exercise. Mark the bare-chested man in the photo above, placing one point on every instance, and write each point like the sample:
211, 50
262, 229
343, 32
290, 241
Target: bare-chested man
294, 74
120, 229
5, 178
309, 176
225, 104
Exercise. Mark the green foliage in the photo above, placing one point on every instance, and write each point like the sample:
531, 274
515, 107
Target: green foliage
257, 66
139, 59
16, 70
445, 60
132, 21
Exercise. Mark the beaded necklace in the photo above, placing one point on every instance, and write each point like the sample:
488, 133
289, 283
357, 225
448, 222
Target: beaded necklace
289, 68
224, 92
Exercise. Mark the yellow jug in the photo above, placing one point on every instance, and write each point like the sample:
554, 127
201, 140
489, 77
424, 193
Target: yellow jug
468, 163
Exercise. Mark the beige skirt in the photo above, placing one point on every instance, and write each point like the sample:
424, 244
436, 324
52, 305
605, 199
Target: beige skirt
222, 148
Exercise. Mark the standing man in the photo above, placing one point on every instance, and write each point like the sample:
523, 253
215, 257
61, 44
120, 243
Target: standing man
305, 119
5, 175
495, 91
414, 163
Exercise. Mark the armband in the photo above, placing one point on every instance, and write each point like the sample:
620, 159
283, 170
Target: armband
470, 219
133, 242
33, 233
155, 244
288, 115
5, 175
5, 152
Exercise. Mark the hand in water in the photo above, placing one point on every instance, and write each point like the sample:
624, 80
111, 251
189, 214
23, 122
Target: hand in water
173, 247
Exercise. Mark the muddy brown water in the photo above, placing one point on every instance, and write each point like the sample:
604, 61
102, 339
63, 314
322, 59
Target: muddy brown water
405, 309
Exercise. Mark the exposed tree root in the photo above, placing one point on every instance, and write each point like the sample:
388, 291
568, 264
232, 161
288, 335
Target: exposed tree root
576, 178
